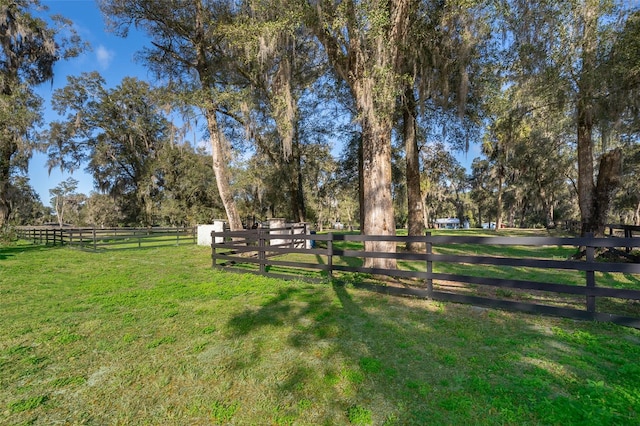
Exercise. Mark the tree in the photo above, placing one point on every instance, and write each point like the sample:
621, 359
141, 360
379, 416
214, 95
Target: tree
25, 205
622, 77
61, 196
593, 197
482, 189
502, 136
29, 51
186, 189
542, 167
364, 43
628, 199
415, 201
103, 211
118, 132
559, 48
442, 181
280, 61
623, 107
189, 50
446, 65
324, 189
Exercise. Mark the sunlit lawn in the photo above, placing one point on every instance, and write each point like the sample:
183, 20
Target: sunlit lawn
155, 336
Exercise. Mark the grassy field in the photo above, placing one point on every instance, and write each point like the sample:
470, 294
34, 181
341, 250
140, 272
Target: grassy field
155, 336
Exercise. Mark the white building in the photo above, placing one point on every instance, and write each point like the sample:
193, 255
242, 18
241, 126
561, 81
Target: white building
447, 223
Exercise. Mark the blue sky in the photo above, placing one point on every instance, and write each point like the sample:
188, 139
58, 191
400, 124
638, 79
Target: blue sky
110, 55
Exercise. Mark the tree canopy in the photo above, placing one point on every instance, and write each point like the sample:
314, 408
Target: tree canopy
548, 90
29, 48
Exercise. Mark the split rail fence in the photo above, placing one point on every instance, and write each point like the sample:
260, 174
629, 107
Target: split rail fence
449, 270
102, 238
625, 231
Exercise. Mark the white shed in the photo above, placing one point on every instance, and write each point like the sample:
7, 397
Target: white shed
447, 223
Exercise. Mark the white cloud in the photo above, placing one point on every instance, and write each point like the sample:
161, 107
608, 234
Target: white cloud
104, 56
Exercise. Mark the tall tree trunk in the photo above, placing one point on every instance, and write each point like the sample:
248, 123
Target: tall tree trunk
298, 211
636, 215
7, 150
369, 59
511, 223
547, 205
594, 198
218, 147
585, 166
425, 217
523, 212
551, 223
220, 160
5, 208
609, 173
60, 209
360, 183
378, 204
414, 195
499, 204
586, 185
376, 176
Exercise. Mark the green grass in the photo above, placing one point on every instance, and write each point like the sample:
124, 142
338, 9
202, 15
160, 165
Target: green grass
553, 276
155, 336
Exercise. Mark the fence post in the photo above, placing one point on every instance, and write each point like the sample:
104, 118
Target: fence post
95, 241
330, 255
292, 232
590, 275
261, 251
214, 261
429, 250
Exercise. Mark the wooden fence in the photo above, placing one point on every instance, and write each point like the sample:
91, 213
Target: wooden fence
102, 238
478, 282
625, 231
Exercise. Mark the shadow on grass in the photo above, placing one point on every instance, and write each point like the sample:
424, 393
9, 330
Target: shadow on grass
7, 252
405, 361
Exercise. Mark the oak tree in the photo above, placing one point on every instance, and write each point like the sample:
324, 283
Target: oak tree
29, 49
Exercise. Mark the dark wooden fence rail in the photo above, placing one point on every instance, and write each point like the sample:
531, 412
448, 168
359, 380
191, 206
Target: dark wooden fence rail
252, 247
41, 235
97, 238
625, 231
